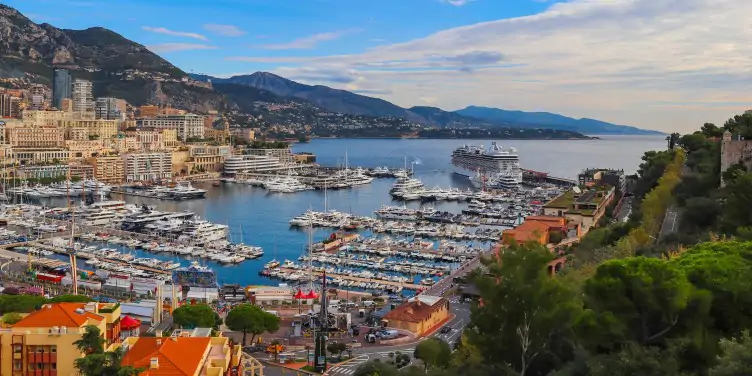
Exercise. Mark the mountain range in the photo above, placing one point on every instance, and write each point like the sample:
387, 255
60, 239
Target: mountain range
125, 69
347, 102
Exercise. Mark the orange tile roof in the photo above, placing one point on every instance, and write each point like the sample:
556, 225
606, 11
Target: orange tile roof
58, 314
176, 356
415, 311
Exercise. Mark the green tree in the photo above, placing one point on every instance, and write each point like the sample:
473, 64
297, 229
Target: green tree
11, 318
195, 316
632, 360
733, 172
635, 299
724, 269
20, 303
711, 130
692, 142
434, 353
336, 348
247, 318
375, 368
96, 361
700, 213
526, 316
735, 358
736, 211
91, 342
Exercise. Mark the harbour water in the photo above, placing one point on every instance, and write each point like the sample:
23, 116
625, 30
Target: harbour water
263, 217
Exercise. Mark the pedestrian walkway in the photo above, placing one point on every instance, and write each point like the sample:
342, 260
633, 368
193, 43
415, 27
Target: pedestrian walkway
349, 367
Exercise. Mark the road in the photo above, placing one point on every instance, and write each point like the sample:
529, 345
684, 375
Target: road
625, 210
670, 222
461, 312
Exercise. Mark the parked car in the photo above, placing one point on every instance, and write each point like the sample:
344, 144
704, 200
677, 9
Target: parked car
446, 329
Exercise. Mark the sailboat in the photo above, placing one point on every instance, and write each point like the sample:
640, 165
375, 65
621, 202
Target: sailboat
274, 263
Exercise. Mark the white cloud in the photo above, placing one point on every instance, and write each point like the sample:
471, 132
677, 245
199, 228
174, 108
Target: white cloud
174, 47
225, 30
308, 42
162, 30
457, 3
661, 64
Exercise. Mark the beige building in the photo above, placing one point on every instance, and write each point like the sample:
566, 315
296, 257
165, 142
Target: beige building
100, 128
27, 156
121, 144
284, 155
148, 166
44, 117
419, 315
108, 169
149, 139
246, 134
36, 137
77, 134
170, 138
43, 342
188, 126
84, 149
82, 171
218, 135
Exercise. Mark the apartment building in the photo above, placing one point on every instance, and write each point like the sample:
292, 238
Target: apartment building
82, 171
9, 106
36, 137
147, 139
108, 169
184, 353
46, 171
187, 126
44, 155
170, 138
83, 99
42, 343
101, 128
107, 108
77, 134
148, 166
148, 111
61, 87
84, 148
46, 118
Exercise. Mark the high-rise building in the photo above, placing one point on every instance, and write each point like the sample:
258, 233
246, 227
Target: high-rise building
83, 100
9, 106
107, 108
61, 87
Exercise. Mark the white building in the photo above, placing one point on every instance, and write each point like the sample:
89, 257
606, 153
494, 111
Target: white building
188, 125
83, 100
252, 163
107, 108
148, 166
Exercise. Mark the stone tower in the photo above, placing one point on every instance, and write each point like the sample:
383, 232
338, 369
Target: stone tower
735, 151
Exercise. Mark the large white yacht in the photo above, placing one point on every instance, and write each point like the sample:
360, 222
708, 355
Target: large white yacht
406, 184
200, 232
492, 167
287, 184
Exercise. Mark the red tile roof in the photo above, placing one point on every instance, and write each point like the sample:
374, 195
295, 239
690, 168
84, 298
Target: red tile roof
58, 314
176, 356
415, 311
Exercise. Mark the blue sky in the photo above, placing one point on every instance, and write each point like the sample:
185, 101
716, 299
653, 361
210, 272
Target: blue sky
656, 64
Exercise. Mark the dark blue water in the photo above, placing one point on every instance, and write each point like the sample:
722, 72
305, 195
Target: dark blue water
264, 217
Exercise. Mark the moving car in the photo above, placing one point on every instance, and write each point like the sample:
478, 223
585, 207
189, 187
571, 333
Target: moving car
446, 329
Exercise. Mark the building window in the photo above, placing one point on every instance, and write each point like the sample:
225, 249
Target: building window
53, 349
17, 365
40, 349
17, 348
53, 365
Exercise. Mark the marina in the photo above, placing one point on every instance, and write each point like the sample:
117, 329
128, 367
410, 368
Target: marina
251, 213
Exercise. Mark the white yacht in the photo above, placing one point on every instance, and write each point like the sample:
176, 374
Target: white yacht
200, 231
406, 184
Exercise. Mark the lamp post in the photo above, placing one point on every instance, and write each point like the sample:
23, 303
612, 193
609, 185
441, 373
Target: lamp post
321, 335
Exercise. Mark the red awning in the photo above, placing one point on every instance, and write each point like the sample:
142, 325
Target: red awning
311, 295
129, 323
299, 295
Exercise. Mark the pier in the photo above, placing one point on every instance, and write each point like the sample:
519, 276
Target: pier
530, 176
410, 286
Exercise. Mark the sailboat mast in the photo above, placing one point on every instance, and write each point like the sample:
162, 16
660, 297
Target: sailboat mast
310, 255
71, 249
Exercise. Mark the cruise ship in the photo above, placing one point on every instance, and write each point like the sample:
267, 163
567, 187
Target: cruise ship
494, 167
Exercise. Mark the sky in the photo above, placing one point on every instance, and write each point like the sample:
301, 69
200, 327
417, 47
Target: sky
669, 65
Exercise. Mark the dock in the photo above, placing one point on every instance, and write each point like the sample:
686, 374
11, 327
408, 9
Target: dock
530, 176
86, 256
410, 286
